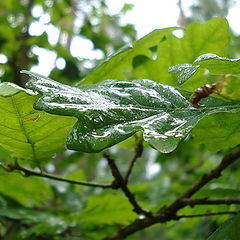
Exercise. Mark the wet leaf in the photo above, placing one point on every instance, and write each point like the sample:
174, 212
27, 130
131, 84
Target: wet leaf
186, 71
112, 111
151, 56
210, 61
218, 65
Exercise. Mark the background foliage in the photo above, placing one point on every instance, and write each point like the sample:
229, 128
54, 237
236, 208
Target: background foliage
37, 208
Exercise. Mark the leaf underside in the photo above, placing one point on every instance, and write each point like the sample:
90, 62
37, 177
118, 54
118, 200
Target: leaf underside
112, 111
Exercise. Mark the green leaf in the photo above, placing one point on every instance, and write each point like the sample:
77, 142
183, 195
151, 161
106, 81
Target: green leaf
186, 71
117, 65
210, 61
112, 111
212, 36
118, 210
53, 226
218, 131
218, 65
77, 175
218, 192
43, 223
27, 134
228, 231
28, 192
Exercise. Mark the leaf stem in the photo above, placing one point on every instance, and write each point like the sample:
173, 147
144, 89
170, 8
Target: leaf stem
207, 214
28, 173
169, 212
119, 182
211, 201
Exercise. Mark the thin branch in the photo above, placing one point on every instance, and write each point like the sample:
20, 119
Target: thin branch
168, 213
211, 201
28, 173
207, 214
215, 173
119, 182
138, 154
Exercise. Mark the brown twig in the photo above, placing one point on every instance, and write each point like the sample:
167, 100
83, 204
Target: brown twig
28, 173
119, 182
207, 214
138, 154
211, 201
169, 212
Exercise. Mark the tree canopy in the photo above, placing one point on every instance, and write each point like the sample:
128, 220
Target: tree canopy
144, 144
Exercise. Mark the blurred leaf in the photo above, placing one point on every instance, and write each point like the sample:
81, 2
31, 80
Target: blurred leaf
112, 111
51, 225
43, 223
28, 134
29, 192
78, 175
217, 132
218, 192
118, 210
228, 231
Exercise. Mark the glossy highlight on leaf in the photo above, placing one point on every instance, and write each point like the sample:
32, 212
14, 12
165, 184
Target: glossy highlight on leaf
112, 111
218, 65
210, 61
186, 71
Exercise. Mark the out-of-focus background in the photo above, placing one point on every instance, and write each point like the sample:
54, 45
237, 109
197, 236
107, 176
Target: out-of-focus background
65, 39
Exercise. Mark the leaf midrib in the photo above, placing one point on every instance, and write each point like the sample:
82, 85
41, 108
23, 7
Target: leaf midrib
25, 133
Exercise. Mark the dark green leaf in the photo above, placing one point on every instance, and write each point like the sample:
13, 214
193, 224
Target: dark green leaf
228, 231
112, 111
43, 223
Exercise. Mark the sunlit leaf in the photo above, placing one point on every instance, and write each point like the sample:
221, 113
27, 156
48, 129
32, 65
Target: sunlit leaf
27, 134
119, 64
218, 65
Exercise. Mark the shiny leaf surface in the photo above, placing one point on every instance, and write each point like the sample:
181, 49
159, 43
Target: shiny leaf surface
210, 61
218, 65
112, 111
